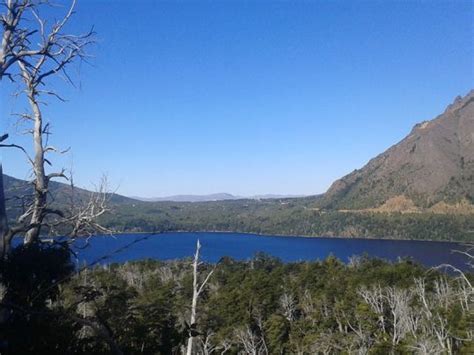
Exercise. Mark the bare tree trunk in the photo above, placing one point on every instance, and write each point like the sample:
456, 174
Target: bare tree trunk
197, 289
192, 320
5, 241
41, 181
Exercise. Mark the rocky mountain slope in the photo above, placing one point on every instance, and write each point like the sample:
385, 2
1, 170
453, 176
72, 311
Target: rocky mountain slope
431, 168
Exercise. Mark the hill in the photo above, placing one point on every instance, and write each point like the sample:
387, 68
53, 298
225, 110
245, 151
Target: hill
223, 196
190, 198
17, 190
434, 164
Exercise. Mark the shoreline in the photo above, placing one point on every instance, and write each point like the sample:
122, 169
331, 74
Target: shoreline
264, 235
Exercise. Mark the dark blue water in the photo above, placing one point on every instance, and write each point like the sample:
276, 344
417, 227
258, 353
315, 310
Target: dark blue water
126, 247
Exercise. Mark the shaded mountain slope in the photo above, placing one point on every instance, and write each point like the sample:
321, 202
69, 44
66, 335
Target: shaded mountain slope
60, 194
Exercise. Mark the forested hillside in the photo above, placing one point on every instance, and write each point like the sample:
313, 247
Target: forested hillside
295, 216
288, 217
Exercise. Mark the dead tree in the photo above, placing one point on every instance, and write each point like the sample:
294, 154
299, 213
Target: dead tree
375, 298
3, 216
249, 340
14, 37
224, 346
197, 290
398, 301
58, 51
11, 50
288, 306
33, 53
37, 63
19, 34
207, 345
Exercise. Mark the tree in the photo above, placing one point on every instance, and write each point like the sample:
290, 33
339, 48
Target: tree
197, 290
4, 245
34, 53
14, 38
37, 65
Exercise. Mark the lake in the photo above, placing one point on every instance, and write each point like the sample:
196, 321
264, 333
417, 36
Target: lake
166, 246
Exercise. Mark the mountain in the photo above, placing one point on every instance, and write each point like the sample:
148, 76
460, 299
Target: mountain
430, 168
273, 197
190, 198
211, 197
16, 188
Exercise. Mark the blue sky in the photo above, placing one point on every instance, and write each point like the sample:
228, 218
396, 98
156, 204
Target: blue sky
250, 97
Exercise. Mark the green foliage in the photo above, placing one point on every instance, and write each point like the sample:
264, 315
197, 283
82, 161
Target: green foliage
290, 216
146, 305
260, 305
286, 217
29, 324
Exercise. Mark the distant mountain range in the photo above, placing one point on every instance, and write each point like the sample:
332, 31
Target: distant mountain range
212, 197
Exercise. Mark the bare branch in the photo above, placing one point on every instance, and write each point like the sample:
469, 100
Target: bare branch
18, 147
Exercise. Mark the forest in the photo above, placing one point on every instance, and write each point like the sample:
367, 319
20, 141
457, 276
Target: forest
285, 217
259, 306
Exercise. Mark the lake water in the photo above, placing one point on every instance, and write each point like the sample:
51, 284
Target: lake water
165, 246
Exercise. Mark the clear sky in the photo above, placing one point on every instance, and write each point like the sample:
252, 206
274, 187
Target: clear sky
251, 97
